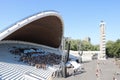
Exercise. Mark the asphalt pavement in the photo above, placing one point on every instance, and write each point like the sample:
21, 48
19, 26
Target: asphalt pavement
97, 70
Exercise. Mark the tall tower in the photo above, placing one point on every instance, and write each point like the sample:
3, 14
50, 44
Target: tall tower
102, 54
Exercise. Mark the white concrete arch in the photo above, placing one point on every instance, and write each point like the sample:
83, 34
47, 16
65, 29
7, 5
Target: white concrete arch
44, 28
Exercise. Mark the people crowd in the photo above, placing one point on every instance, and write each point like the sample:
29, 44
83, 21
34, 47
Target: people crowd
37, 57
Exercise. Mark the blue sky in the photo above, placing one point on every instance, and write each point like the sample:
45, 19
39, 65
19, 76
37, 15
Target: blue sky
81, 17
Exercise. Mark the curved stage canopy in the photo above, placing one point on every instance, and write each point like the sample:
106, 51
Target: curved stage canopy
45, 28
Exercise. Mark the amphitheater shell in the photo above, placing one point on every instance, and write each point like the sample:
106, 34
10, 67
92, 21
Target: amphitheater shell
45, 28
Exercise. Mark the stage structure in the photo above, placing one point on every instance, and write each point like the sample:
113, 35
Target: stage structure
44, 28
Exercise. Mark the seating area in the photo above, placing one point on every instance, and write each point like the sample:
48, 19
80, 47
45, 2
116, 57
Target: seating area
16, 61
36, 57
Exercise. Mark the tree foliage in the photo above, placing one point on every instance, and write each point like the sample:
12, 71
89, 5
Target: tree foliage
86, 46
77, 44
74, 44
113, 48
109, 49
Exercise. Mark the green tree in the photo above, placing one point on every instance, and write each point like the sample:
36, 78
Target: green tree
96, 47
77, 44
109, 48
113, 48
86, 46
117, 48
74, 44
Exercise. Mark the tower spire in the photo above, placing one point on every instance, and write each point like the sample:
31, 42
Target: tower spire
102, 54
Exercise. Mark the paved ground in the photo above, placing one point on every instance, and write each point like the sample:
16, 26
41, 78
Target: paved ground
107, 69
